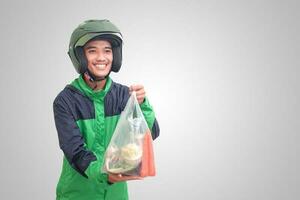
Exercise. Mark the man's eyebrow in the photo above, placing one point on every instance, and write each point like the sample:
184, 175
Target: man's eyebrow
93, 47
90, 47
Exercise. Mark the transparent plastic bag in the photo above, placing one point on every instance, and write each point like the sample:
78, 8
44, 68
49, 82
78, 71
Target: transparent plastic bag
130, 151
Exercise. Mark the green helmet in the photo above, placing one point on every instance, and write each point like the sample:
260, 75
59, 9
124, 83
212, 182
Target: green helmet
92, 30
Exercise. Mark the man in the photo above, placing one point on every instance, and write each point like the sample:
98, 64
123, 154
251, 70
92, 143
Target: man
86, 113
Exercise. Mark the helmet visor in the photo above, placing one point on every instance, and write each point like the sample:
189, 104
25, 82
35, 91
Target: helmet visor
87, 37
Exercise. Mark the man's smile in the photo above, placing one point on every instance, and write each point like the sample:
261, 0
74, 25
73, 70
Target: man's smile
100, 66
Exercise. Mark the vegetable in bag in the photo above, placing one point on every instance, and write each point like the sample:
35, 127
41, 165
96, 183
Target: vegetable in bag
130, 150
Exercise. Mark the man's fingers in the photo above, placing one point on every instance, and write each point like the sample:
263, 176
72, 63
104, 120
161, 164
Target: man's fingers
120, 177
140, 94
135, 87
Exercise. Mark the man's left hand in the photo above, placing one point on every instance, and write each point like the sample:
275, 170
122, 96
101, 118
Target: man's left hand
140, 92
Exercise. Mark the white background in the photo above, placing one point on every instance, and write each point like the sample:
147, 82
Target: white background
223, 77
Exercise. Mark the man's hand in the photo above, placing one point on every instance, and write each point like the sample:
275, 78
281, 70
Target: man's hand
140, 92
119, 177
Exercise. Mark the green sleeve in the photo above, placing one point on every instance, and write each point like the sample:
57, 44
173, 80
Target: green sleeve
148, 112
94, 170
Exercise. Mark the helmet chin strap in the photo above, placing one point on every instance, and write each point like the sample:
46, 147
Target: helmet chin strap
95, 79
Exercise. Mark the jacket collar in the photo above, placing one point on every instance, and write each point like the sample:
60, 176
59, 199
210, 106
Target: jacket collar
81, 85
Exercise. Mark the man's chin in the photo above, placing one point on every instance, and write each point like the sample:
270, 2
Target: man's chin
100, 74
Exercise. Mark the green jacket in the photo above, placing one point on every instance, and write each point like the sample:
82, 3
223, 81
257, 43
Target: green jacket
85, 121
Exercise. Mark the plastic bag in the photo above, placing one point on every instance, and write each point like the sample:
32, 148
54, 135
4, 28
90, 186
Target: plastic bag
130, 151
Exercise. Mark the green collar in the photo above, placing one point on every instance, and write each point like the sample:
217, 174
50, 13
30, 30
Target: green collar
80, 84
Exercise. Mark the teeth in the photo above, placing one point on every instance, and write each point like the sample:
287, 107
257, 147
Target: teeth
100, 66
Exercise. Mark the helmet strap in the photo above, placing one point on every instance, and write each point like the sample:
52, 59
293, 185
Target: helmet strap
92, 78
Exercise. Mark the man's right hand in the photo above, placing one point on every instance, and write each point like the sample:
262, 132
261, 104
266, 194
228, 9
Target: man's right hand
119, 177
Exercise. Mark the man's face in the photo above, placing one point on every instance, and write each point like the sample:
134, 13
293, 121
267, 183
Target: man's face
99, 56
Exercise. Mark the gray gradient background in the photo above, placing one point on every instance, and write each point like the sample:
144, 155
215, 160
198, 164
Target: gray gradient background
223, 77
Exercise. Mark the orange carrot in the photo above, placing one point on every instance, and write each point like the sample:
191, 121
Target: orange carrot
148, 166
152, 171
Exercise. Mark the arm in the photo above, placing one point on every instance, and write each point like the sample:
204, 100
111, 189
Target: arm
150, 118
72, 143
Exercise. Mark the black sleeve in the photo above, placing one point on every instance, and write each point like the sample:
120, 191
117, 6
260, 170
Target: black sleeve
155, 130
70, 139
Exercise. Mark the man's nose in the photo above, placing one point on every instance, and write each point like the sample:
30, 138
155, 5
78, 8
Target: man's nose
100, 57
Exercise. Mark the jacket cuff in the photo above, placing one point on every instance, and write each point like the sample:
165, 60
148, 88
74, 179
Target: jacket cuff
94, 169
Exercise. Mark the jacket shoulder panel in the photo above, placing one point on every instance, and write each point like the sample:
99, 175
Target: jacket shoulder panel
116, 99
79, 105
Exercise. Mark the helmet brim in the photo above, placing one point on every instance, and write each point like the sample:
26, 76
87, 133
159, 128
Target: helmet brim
87, 37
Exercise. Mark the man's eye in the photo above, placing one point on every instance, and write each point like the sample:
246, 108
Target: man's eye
91, 51
108, 51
